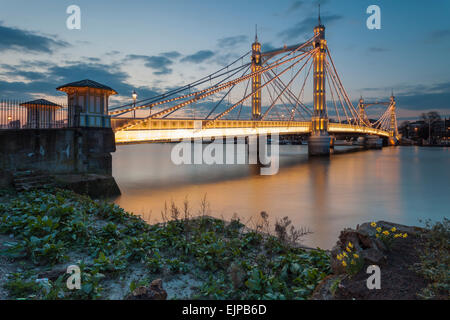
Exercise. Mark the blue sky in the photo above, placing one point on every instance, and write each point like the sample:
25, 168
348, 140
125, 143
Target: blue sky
152, 46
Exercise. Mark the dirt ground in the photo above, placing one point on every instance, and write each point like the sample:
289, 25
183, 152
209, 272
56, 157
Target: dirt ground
398, 281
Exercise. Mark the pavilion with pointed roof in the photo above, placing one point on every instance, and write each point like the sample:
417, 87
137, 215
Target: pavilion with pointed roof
90, 100
41, 113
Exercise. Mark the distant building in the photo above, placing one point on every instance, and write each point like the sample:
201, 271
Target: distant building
88, 102
441, 130
40, 113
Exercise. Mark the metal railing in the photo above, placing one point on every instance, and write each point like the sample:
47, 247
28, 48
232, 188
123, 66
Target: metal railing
16, 114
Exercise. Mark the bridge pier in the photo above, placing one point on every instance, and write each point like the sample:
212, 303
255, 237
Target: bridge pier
373, 142
319, 145
332, 142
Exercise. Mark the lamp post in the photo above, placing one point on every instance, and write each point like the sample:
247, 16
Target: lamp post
134, 96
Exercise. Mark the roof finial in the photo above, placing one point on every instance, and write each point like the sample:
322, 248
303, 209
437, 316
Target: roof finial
256, 33
319, 14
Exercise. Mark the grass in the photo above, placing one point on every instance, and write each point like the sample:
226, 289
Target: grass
50, 229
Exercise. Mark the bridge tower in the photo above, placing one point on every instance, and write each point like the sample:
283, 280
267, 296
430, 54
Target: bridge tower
393, 131
319, 141
362, 112
256, 80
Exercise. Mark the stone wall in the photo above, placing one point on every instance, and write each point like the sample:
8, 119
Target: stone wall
57, 151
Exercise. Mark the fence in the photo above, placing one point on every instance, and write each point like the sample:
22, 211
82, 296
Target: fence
15, 114
43, 114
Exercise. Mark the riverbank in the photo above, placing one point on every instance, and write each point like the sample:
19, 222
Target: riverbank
42, 233
188, 256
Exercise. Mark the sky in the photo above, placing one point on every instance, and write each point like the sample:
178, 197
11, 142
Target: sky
152, 46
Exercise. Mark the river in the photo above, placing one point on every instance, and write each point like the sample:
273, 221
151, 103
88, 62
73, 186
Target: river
323, 195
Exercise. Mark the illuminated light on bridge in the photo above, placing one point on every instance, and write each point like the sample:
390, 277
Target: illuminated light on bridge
134, 136
261, 79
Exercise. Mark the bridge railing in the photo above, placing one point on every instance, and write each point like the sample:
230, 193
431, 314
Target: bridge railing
349, 128
166, 124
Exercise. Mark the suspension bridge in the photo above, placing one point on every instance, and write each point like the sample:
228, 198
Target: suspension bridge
274, 84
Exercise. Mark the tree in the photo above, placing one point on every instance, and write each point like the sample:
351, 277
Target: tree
431, 119
404, 129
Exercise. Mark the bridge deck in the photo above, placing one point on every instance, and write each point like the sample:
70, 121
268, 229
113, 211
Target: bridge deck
156, 130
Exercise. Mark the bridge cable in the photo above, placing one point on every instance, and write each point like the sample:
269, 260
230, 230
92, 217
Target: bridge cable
192, 84
259, 89
288, 85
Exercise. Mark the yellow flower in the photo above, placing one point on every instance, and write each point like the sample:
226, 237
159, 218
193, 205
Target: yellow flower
344, 254
348, 249
339, 257
373, 224
353, 262
394, 229
379, 229
405, 235
344, 263
397, 235
356, 255
350, 245
386, 233
377, 235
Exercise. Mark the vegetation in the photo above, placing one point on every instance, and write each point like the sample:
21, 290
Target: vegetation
48, 230
350, 259
387, 236
435, 260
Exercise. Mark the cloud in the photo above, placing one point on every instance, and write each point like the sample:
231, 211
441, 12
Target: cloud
377, 49
112, 53
199, 56
230, 42
295, 6
439, 34
306, 26
13, 71
25, 90
46, 81
17, 39
267, 47
171, 54
421, 97
159, 63
92, 59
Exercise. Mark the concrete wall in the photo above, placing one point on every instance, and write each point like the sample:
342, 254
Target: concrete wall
59, 151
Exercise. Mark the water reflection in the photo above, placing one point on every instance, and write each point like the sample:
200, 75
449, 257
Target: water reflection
325, 195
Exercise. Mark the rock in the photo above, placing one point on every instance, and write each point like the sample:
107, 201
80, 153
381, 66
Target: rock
373, 256
93, 185
325, 290
367, 228
53, 274
371, 249
154, 291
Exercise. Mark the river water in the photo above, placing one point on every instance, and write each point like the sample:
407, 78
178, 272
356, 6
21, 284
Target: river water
399, 184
